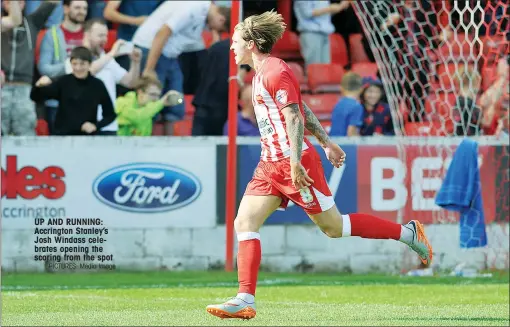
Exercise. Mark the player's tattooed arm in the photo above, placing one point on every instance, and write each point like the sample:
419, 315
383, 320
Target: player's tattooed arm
295, 131
313, 125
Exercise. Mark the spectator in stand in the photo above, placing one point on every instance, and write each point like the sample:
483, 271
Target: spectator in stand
18, 57
56, 46
79, 94
136, 110
467, 115
129, 15
376, 113
409, 31
15, 17
246, 120
105, 67
314, 26
56, 16
211, 98
191, 61
495, 101
347, 116
164, 36
194, 56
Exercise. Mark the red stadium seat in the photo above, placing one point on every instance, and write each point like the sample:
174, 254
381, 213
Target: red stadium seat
112, 37
300, 75
40, 37
157, 129
321, 104
224, 36
365, 69
458, 47
183, 127
324, 77
207, 37
190, 109
339, 52
42, 129
446, 74
425, 129
356, 50
440, 104
288, 48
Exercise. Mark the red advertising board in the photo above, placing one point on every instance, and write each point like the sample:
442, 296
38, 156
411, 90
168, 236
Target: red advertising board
389, 183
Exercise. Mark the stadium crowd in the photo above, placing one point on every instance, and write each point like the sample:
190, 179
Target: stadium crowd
156, 67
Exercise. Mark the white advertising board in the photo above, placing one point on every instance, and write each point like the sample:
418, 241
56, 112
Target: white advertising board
126, 182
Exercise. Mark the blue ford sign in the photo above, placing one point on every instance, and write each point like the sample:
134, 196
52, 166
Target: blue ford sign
146, 187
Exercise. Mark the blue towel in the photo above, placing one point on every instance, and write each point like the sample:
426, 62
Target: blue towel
461, 191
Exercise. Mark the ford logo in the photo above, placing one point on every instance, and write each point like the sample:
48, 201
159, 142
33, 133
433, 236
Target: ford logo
146, 187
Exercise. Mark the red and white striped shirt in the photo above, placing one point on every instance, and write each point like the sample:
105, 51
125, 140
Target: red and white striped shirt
274, 88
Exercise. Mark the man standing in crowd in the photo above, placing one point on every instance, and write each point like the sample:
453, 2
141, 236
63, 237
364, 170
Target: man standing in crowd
211, 97
57, 44
315, 26
165, 35
18, 57
128, 15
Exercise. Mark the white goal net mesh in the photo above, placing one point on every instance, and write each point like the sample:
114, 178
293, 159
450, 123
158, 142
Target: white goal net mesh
444, 66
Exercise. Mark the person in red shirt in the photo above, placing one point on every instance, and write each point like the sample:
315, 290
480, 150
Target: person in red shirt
290, 168
60, 40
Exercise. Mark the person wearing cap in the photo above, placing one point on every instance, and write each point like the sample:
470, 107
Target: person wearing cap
377, 118
136, 109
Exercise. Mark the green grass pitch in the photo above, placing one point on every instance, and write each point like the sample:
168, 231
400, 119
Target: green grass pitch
179, 298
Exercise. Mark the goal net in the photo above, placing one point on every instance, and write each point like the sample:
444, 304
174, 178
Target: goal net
444, 66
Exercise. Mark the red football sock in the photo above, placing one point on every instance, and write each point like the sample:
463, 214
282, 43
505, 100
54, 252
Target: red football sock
368, 226
249, 255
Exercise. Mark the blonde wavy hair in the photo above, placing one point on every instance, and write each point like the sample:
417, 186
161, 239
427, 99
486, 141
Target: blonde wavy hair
264, 30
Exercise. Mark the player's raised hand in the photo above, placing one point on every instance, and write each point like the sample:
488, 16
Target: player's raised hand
300, 177
335, 154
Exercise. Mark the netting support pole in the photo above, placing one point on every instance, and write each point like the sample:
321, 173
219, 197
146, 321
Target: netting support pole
231, 196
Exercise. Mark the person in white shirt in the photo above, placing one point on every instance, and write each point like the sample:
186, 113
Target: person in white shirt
105, 67
175, 26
